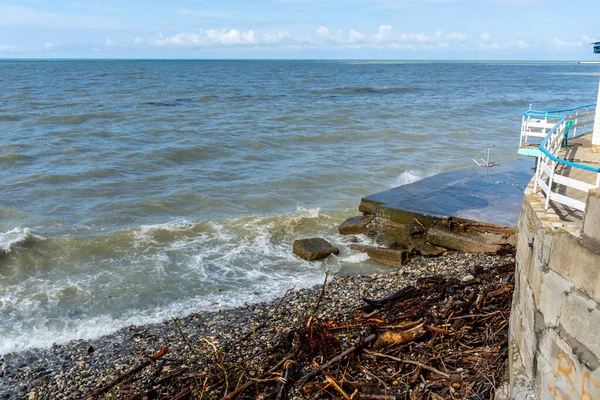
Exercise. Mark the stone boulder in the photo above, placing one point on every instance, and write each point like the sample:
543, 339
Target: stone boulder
314, 249
355, 225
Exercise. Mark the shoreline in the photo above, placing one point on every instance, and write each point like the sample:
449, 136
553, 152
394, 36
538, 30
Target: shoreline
73, 369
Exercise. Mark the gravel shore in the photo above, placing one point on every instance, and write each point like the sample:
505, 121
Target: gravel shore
71, 370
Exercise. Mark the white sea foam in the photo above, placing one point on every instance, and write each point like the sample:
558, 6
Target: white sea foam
174, 268
412, 176
17, 235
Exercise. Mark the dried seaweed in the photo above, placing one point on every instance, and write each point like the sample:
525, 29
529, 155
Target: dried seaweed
441, 339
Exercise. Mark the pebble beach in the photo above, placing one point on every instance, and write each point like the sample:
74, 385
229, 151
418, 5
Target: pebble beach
72, 370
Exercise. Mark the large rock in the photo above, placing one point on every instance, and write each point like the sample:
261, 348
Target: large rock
355, 225
382, 255
314, 249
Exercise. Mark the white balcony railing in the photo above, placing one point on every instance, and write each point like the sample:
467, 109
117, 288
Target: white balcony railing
555, 177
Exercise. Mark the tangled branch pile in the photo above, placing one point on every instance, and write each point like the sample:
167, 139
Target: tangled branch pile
440, 339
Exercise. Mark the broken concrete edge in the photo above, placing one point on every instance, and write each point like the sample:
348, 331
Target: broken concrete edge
427, 235
382, 255
454, 224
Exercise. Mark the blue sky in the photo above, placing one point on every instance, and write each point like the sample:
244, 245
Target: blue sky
350, 29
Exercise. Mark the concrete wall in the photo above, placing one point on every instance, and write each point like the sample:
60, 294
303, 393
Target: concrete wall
555, 318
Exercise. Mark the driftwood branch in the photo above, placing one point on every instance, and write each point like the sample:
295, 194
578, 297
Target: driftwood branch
337, 358
246, 385
418, 364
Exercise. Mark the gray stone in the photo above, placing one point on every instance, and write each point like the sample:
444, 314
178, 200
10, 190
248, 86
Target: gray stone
355, 225
314, 249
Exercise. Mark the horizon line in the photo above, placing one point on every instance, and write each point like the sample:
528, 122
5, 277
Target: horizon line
274, 59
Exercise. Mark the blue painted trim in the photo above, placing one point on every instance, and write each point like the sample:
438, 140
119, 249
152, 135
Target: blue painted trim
552, 132
529, 152
547, 113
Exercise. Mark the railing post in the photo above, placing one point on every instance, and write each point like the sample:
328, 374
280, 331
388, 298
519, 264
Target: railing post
550, 182
537, 172
596, 129
522, 131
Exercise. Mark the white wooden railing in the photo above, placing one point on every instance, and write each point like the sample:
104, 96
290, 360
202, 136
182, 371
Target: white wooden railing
537, 124
552, 174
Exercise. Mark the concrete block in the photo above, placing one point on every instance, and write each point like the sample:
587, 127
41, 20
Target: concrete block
580, 319
560, 374
520, 379
516, 335
591, 219
524, 251
554, 289
381, 255
576, 263
520, 290
543, 247
528, 322
534, 279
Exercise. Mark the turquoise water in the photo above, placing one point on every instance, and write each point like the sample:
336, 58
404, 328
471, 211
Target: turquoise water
135, 190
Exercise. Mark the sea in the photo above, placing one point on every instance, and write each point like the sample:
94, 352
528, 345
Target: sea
136, 190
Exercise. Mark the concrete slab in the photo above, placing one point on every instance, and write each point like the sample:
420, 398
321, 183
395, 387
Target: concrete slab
493, 195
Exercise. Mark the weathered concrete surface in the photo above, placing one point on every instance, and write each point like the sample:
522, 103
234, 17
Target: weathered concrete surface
430, 235
314, 249
491, 195
555, 320
591, 222
386, 256
471, 210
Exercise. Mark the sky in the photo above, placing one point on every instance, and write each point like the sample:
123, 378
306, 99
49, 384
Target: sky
301, 29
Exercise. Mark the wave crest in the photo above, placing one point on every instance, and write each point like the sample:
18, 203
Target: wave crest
14, 237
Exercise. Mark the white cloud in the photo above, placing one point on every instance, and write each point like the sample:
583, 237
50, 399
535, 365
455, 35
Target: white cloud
108, 42
322, 31
8, 48
204, 38
322, 38
30, 48
383, 34
355, 36
456, 36
487, 42
273, 38
563, 44
521, 44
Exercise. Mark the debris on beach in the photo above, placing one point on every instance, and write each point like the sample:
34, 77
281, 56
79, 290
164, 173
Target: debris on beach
441, 338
